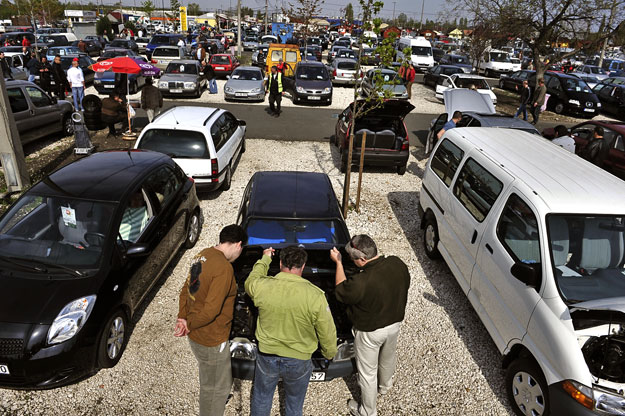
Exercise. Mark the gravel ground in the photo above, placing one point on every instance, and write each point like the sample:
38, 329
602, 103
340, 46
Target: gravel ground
447, 363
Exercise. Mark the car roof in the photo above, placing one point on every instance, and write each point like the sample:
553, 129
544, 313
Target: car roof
185, 116
501, 121
292, 195
464, 75
185, 61
547, 170
311, 63
104, 176
167, 47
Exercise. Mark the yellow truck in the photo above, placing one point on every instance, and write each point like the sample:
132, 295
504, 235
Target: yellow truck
287, 52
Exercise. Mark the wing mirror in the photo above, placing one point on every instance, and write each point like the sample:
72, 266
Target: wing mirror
137, 250
527, 273
242, 123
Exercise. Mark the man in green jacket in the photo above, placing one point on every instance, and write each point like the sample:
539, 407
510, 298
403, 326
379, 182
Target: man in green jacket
293, 318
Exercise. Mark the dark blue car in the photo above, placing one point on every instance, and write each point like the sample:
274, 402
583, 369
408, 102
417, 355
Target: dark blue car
170, 39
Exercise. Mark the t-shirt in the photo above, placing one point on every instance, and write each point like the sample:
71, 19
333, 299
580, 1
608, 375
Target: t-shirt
75, 77
567, 142
449, 125
133, 222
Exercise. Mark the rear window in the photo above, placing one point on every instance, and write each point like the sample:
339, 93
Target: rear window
175, 143
160, 39
270, 231
276, 55
220, 60
120, 43
291, 56
166, 52
346, 65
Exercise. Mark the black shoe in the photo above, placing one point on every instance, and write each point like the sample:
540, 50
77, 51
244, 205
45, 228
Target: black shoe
276, 115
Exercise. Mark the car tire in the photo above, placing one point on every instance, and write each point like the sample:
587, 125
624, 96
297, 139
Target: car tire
430, 237
401, 170
526, 388
194, 228
243, 145
198, 93
113, 339
92, 103
558, 108
228, 179
68, 125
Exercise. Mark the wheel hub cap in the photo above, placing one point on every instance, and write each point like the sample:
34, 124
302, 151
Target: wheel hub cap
527, 394
193, 228
429, 237
116, 338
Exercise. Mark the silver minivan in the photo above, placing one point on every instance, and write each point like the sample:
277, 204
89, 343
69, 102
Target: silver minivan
535, 237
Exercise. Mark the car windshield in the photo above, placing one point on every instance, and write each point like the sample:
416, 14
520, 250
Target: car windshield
112, 54
422, 50
175, 143
459, 60
220, 60
119, 43
160, 39
597, 70
247, 75
56, 231
587, 255
166, 52
180, 68
387, 78
499, 57
347, 54
479, 83
575, 84
316, 73
271, 231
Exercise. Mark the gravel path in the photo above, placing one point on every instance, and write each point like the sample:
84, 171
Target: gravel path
447, 363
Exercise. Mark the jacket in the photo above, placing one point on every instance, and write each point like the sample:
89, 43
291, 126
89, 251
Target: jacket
44, 70
6, 70
209, 72
58, 74
151, 97
539, 95
525, 95
596, 152
377, 296
280, 87
207, 298
293, 314
112, 108
407, 73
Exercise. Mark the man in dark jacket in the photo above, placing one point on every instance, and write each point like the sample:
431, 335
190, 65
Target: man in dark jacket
597, 150
538, 99
209, 75
113, 111
525, 97
376, 299
151, 99
6, 69
60, 80
33, 66
44, 70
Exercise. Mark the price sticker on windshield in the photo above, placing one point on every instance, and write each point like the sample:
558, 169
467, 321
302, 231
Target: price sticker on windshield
4, 369
69, 216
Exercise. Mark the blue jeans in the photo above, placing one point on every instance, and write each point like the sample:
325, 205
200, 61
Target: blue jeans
212, 86
522, 109
78, 93
295, 376
31, 77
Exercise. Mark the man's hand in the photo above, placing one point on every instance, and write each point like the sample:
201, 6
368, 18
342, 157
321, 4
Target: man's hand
269, 252
181, 329
335, 255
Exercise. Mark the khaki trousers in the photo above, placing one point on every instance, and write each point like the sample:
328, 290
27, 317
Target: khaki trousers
215, 377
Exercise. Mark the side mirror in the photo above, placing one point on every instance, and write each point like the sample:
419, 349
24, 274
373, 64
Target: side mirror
138, 250
227, 76
527, 273
242, 123
54, 100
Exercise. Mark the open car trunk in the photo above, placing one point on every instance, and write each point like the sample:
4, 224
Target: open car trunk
382, 132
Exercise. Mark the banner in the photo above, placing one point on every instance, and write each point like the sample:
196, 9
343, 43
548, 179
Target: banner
183, 18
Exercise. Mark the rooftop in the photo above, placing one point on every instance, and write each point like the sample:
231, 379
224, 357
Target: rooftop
185, 116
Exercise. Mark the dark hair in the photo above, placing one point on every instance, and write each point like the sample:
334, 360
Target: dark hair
232, 234
57, 56
293, 257
148, 80
599, 131
457, 114
361, 247
561, 130
274, 67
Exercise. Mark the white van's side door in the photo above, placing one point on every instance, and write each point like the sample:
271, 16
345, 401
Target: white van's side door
475, 192
506, 304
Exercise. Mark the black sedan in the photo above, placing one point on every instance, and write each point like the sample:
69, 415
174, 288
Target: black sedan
435, 76
280, 209
514, 81
80, 251
612, 97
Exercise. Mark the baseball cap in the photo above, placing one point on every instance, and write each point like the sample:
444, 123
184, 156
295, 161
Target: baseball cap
75, 60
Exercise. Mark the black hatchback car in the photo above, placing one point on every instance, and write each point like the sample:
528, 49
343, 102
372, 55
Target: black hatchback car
569, 94
79, 252
312, 83
281, 209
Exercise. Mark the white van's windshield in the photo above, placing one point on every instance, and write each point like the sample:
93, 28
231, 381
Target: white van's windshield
499, 57
422, 50
588, 252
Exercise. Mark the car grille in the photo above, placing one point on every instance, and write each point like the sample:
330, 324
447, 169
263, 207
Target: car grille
176, 84
313, 91
11, 346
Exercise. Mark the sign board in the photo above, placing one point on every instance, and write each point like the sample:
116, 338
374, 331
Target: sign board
183, 18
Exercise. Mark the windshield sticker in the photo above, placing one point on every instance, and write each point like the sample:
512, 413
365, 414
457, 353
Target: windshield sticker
69, 216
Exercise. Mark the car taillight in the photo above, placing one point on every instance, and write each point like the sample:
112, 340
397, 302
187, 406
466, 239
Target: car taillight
405, 145
153, 61
334, 73
362, 74
214, 170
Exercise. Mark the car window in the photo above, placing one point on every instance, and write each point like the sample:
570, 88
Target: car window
346, 65
476, 189
518, 231
17, 100
38, 97
219, 132
618, 144
164, 183
220, 60
583, 131
291, 56
137, 214
180, 68
276, 55
554, 83
166, 52
446, 160
175, 143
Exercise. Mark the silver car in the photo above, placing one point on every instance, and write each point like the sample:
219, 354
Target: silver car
245, 83
344, 71
163, 55
391, 84
182, 77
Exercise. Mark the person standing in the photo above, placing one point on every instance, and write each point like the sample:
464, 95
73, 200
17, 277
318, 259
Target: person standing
113, 111
376, 299
456, 117
206, 307
25, 42
407, 74
274, 88
293, 319
77, 82
209, 74
524, 100
44, 70
151, 99
563, 139
6, 69
82, 46
538, 99
58, 75
201, 53
33, 67
597, 150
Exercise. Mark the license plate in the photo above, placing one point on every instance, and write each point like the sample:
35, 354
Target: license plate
240, 94
5, 370
317, 376
177, 90
109, 86
219, 68
590, 110
314, 97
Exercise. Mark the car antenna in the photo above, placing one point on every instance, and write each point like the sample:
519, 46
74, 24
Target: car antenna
174, 116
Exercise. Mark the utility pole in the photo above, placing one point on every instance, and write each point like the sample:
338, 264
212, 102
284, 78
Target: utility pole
11, 151
239, 28
421, 23
605, 41
394, 22
266, 8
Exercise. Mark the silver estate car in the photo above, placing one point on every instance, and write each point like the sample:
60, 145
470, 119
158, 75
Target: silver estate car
182, 77
245, 83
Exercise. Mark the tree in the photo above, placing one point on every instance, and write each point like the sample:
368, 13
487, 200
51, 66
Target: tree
193, 9
349, 13
246, 11
304, 11
148, 8
402, 19
103, 24
259, 16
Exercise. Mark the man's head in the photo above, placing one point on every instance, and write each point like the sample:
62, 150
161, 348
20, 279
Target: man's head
274, 69
561, 130
44, 59
1, 55
293, 259
457, 116
525, 84
57, 59
280, 61
24, 50
75, 62
598, 132
231, 240
361, 249
148, 81
136, 200
541, 81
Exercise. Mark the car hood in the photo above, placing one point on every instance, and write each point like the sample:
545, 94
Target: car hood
239, 84
463, 99
606, 304
394, 88
179, 77
394, 108
312, 83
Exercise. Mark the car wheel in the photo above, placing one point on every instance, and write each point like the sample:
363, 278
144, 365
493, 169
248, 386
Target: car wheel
198, 93
193, 229
68, 125
228, 179
526, 388
430, 237
558, 108
401, 170
113, 339
243, 145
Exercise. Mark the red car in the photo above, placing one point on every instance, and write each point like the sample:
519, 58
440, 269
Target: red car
223, 63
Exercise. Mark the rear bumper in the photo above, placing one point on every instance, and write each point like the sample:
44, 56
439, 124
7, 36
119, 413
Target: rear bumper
209, 183
244, 369
344, 81
379, 157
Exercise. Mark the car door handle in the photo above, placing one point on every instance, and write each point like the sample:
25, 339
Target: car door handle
474, 237
489, 248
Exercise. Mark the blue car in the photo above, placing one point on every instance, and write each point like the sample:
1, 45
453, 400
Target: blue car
170, 39
105, 82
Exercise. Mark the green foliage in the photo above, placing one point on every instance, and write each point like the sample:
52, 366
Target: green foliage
148, 7
259, 16
349, 13
103, 24
130, 25
247, 11
402, 20
193, 9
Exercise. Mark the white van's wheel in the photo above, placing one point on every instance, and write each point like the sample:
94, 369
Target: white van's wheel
430, 238
527, 389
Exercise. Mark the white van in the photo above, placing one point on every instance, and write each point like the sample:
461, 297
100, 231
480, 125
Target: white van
494, 62
421, 57
535, 237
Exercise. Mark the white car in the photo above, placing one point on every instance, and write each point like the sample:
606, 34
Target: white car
205, 142
516, 64
539, 253
465, 81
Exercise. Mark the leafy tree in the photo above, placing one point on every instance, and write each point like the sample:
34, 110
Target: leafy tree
349, 13
130, 25
259, 16
193, 9
402, 19
148, 8
304, 11
103, 24
246, 11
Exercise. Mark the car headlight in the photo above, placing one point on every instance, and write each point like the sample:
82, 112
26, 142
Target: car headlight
608, 402
243, 349
300, 90
598, 104
71, 319
190, 84
574, 102
345, 351
228, 89
162, 85
327, 90
255, 90
97, 81
595, 398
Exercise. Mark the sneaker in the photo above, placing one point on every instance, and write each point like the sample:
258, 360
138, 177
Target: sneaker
382, 391
353, 407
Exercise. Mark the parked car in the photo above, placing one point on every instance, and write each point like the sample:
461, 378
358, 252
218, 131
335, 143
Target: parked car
345, 71
91, 47
223, 64
162, 40
205, 142
163, 55
569, 94
307, 55
346, 53
457, 60
370, 57
84, 62
100, 40
182, 77
514, 81
391, 84
105, 82
142, 44
250, 43
245, 83
387, 141
115, 52
68, 246
36, 113
260, 55
316, 50
437, 54
538, 252
612, 97
434, 76
591, 80
516, 64
463, 80
62, 50
313, 220
614, 80
124, 44
312, 84
333, 51
594, 70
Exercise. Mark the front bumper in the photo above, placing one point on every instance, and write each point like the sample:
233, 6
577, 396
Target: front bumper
244, 96
315, 98
563, 404
582, 110
179, 91
104, 88
244, 369
379, 157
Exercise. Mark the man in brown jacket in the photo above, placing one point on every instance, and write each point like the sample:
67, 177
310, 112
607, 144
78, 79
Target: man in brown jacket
151, 99
206, 307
